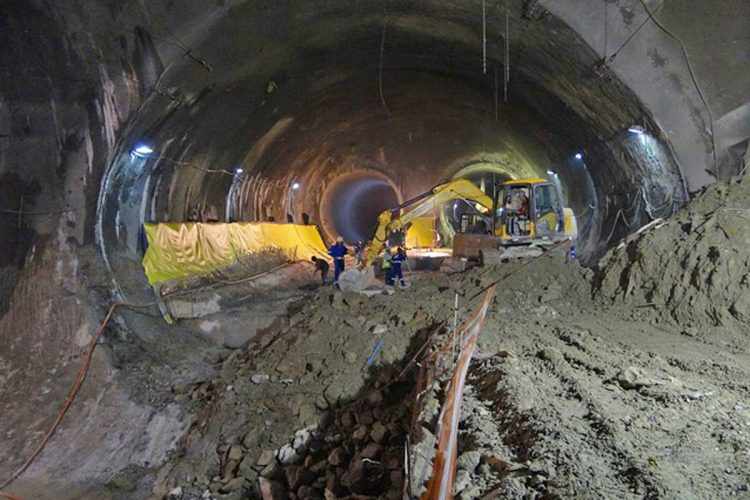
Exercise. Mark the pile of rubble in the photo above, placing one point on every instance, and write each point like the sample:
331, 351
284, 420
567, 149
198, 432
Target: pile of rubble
327, 373
357, 450
694, 267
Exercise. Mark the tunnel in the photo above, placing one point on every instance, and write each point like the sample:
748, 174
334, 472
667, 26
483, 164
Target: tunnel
116, 115
353, 203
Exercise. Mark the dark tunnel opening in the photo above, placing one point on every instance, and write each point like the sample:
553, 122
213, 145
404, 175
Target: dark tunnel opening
352, 204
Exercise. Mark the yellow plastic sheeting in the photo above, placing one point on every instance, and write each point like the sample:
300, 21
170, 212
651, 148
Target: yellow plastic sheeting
421, 233
181, 250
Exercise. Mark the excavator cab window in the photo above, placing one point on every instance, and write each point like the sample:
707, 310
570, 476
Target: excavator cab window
514, 209
547, 210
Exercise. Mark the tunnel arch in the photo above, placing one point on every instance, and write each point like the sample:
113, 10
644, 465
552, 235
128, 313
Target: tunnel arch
352, 203
418, 112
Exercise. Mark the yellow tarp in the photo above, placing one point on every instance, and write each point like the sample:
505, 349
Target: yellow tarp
421, 233
182, 250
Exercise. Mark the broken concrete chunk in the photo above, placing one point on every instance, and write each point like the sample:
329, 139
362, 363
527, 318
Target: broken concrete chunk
175, 494
297, 476
265, 458
287, 455
375, 398
301, 438
372, 451
361, 433
633, 377
272, 490
337, 457
469, 461
229, 470
234, 485
246, 469
378, 432
379, 329
235, 452
259, 378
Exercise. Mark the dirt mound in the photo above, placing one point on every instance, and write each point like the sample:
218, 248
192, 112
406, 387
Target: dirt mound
694, 267
314, 376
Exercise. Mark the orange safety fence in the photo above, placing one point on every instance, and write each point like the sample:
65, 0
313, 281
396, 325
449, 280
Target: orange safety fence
440, 485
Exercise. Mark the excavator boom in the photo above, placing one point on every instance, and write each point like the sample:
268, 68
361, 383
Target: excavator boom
395, 219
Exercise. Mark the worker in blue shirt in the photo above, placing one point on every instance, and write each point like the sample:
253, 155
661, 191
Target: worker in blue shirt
338, 251
396, 262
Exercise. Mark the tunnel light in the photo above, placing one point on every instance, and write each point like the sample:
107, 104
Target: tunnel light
637, 129
579, 156
550, 172
238, 171
295, 186
142, 151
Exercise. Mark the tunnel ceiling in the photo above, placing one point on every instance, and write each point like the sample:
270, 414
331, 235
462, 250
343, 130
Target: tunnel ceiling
309, 91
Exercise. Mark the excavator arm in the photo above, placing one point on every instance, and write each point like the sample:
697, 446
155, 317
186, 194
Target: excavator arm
395, 219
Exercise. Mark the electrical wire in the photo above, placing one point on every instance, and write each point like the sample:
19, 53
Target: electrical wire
192, 165
484, 37
692, 77
380, 69
80, 378
606, 27
628, 39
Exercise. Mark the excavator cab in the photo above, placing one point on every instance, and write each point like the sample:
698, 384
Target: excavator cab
526, 212
529, 210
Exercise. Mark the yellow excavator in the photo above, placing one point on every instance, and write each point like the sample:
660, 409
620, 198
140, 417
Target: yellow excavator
525, 211
396, 218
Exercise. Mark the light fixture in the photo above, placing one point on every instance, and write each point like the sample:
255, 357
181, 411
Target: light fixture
238, 171
637, 129
295, 186
142, 150
579, 156
550, 172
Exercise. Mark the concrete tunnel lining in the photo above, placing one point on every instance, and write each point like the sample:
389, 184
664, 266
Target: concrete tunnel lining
194, 195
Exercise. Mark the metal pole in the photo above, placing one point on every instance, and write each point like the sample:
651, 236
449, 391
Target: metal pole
455, 328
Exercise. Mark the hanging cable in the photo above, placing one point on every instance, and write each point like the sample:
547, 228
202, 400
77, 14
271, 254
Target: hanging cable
380, 69
507, 50
484, 37
606, 26
73, 392
497, 104
692, 77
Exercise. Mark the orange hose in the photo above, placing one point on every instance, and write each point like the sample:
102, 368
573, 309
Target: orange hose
82, 372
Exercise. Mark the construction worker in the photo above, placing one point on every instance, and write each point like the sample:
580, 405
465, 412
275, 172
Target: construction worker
338, 251
387, 266
396, 272
359, 252
321, 266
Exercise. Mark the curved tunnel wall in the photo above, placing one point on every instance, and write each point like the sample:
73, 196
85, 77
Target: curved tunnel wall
305, 110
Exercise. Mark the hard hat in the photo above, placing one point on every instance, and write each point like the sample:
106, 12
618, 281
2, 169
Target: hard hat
339, 239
